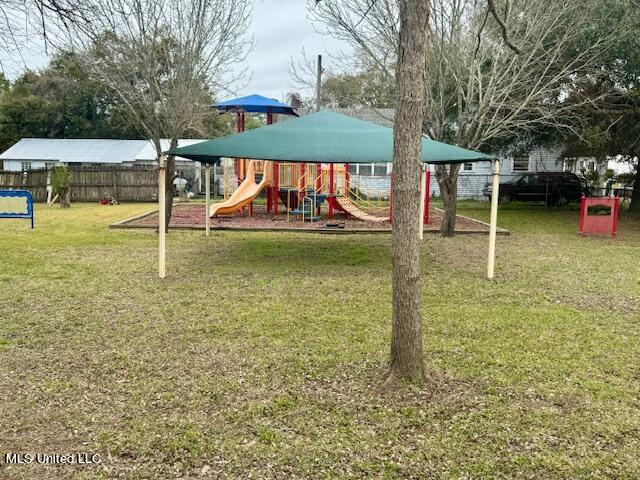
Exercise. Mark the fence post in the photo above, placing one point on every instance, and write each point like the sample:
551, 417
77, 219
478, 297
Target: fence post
114, 174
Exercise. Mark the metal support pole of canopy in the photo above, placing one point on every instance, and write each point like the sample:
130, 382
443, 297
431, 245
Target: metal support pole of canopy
423, 189
427, 197
495, 194
207, 191
162, 229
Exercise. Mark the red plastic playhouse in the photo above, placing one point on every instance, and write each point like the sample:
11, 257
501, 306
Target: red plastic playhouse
598, 220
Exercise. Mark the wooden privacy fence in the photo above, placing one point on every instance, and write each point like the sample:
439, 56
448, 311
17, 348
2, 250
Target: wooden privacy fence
33, 180
125, 184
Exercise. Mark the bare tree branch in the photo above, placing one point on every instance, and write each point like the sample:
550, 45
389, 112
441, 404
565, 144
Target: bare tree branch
505, 35
165, 60
494, 76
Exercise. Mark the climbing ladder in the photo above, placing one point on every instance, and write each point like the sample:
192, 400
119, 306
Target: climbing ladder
307, 208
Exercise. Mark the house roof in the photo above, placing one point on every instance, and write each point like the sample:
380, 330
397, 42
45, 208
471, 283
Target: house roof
86, 150
323, 137
148, 152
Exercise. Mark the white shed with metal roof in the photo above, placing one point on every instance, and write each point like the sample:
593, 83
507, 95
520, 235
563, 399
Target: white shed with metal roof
36, 153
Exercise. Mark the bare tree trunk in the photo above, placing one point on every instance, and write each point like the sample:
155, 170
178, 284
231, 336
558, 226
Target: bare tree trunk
406, 361
634, 207
168, 196
448, 183
171, 176
65, 197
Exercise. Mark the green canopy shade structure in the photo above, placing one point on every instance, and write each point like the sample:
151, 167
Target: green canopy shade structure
323, 137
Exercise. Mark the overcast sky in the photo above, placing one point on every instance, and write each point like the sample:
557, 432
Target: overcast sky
280, 30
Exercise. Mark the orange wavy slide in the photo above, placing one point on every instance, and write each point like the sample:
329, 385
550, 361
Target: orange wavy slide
246, 192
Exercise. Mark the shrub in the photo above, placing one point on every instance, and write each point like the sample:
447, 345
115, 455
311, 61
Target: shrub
61, 183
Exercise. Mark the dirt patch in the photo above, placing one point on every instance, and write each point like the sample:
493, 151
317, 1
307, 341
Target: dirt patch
193, 216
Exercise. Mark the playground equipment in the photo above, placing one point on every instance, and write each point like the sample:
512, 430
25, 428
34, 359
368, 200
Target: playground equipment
241, 106
247, 191
325, 138
346, 205
16, 204
304, 188
604, 216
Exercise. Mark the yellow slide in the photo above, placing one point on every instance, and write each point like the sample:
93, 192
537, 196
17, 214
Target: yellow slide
246, 192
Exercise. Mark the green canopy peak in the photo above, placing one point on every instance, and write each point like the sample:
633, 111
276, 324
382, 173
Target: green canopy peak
322, 137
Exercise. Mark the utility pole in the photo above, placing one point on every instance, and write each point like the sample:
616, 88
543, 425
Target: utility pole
319, 83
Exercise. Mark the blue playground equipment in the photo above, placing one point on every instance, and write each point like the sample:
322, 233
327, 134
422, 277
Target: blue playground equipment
16, 204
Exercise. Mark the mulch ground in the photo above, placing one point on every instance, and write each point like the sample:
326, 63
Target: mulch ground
193, 216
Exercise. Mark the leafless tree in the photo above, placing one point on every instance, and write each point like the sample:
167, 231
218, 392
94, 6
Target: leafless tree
165, 59
496, 71
302, 73
406, 362
23, 20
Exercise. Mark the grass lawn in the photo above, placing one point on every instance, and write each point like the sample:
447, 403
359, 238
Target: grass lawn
259, 356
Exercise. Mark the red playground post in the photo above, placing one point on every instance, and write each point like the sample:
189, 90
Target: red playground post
318, 185
331, 192
427, 196
240, 128
303, 173
270, 196
276, 188
599, 222
347, 185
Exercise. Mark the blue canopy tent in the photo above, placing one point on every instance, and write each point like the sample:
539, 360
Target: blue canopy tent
255, 104
249, 104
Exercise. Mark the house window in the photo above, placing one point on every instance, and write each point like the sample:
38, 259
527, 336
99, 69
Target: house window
24, 166
49, 165
366, 169
521, 163
587, 165
380, 169
570, 164
353, 169
468, 167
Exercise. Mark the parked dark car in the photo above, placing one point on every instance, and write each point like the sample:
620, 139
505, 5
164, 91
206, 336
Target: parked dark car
555, 188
